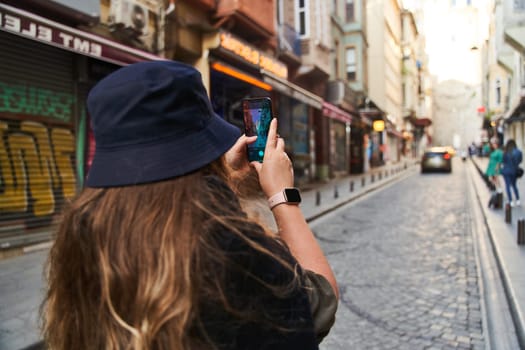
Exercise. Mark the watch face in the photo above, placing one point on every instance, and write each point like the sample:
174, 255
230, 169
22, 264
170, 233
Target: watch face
292, 195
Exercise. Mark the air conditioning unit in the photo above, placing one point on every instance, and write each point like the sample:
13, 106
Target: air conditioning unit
131, 13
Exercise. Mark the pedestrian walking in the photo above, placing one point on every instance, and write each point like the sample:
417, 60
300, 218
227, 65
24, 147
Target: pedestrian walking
493, 167
157, 253
512, 157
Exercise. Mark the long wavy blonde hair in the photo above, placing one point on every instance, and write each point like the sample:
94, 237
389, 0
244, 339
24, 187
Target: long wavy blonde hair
130, 266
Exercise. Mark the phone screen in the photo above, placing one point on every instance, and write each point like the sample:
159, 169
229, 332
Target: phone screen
257, 117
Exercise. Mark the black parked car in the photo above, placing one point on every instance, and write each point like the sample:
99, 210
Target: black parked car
436, 159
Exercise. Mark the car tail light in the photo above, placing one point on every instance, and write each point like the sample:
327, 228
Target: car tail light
446, 156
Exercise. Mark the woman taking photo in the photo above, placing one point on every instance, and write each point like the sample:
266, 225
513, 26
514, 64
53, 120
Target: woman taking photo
157, 253
493, 168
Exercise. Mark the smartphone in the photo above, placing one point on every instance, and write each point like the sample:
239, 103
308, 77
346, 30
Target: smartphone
257, 117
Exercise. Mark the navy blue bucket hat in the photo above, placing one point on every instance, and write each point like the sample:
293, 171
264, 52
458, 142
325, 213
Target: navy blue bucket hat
153, 121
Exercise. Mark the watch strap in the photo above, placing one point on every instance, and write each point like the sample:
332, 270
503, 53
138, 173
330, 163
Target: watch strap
281, 197
276, 199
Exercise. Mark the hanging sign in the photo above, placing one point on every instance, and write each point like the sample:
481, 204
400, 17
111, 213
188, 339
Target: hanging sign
378, 125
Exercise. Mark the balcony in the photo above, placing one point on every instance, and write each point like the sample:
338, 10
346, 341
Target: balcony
251, 20
315, 58
289, 45
339, 93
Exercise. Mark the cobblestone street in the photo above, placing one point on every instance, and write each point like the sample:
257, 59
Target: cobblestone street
406, 266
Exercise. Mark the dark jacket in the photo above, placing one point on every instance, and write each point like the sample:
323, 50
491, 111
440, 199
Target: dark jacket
511, 162
275, 322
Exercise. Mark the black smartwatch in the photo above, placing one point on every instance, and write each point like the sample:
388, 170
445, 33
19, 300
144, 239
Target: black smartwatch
289, 195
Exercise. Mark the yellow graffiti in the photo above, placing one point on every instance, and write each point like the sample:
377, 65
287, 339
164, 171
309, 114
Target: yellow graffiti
14, 196
41, 135
64, 145
30, 174
35, 166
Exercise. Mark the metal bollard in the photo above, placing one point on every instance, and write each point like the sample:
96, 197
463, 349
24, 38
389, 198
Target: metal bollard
380, 175
499, 200
372, 178
317, 198
336, 192
508, 213
351, 186
363, 181
521, 231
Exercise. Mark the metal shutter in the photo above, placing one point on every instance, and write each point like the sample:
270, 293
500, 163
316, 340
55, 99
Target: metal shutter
37, 124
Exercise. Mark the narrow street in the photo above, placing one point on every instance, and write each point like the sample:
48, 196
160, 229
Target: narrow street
406, 265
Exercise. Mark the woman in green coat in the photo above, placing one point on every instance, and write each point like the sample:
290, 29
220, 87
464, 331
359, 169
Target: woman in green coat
495, 159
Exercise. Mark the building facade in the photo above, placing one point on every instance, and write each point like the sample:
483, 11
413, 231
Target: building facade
385, 83
348, 83
505, 83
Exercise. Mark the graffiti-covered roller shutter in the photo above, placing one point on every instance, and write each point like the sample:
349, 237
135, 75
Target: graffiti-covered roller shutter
37, 125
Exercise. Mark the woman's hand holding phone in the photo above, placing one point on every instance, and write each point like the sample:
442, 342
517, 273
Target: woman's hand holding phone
236, 156
276, 171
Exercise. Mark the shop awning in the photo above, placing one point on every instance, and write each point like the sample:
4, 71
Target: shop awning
292, 90
336, 113
505, 60
422, 122
516, 110
515, 37
31, 26
394, 132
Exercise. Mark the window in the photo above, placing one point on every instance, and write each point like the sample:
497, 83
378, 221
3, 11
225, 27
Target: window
519, 4
349, 11
336, 59
498, 91
302, 20
351, 64
279, 8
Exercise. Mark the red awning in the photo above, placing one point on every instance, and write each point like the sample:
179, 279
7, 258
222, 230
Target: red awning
422, 122
337, 113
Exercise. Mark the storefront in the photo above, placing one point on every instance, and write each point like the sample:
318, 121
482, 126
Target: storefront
339, 128
395, 144
359, 135
46, 71
239, 70
297, 108
515, 122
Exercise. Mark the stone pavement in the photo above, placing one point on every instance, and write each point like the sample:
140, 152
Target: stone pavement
509, 255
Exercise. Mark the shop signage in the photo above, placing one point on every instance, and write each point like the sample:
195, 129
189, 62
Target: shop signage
40, 29
252, 55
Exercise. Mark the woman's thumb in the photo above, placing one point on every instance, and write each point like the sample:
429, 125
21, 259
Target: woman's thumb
257, 166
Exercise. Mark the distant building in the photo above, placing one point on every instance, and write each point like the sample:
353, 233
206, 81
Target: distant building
504, 70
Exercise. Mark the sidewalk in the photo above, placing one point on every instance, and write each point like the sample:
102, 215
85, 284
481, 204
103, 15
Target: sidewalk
510, 256
21, 282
